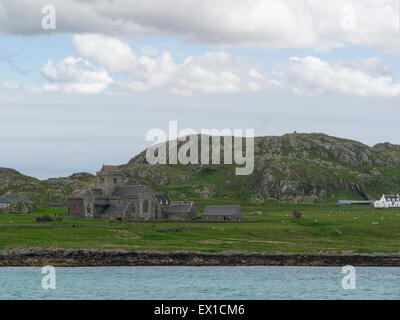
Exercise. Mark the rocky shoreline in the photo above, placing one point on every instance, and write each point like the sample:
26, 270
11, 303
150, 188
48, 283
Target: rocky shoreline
78, 257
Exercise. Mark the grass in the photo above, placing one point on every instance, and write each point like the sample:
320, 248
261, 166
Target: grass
323, 228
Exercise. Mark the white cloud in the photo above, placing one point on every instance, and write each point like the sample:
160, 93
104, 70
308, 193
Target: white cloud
311, 75
73, 75
375, 66
257, 23
220, 72
212, 72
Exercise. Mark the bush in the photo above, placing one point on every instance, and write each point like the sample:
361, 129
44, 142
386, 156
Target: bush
44, 219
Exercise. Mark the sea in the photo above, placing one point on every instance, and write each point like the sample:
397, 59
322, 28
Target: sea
205, 283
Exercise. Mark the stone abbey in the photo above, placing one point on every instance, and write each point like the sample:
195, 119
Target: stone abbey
114, 200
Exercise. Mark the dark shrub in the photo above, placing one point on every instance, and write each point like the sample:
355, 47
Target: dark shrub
45, 218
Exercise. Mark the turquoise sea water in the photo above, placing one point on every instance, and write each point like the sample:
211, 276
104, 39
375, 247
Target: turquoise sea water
199, 283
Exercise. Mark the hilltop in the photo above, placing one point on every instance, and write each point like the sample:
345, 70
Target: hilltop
295, 167
14, 182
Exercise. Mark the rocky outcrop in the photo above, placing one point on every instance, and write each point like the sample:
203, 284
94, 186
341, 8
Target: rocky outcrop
74, 257
387, 147
294, 167
16, 183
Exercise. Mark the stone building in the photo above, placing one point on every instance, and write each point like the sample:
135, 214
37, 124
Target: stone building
182, 211
114, 200
164, 203
222, 213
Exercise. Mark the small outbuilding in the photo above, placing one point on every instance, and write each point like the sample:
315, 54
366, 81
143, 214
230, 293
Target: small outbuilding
182, 211
222, 213
53, 204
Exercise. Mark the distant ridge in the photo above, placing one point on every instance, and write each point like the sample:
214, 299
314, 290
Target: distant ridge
295, 167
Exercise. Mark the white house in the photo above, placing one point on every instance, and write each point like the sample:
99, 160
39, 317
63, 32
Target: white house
388, 201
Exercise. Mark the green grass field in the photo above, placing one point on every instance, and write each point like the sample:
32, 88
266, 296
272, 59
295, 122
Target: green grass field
323, 228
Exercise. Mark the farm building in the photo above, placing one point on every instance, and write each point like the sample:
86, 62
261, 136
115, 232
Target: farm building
222, 213
388, 201
182, 211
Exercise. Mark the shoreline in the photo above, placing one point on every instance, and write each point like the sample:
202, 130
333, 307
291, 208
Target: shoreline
93, 257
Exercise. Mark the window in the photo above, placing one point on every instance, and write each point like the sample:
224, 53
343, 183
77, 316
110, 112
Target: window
115, 180
102, 180
133, 208
145, 206
88, 209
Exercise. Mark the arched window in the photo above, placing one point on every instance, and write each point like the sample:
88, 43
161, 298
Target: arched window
88, 209
145, 206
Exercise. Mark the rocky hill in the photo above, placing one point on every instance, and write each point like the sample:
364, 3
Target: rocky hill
13, 182
294, 167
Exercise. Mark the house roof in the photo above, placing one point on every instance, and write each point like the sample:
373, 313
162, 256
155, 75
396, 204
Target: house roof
391, 197
13, 199
53, 204
79, 193
163, 198
115, 209
231, 210
108, 168
97, 192
180, 207
128, 191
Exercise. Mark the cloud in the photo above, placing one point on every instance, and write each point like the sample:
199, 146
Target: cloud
220, 72
209, 73
73, 75
255, 23
312, 76
375, 66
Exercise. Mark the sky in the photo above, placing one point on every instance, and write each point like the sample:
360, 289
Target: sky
83, 86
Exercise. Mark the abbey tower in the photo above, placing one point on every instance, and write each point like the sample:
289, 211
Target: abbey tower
108, 178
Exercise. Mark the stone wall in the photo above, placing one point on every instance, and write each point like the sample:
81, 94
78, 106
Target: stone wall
75, 207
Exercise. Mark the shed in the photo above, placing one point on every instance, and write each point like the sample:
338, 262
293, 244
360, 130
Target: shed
182, 211
53, 204
222, 213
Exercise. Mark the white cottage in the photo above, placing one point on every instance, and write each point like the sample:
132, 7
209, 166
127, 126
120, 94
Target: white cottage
388, 201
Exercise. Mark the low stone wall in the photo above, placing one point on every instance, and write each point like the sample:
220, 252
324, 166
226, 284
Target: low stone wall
74, 257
